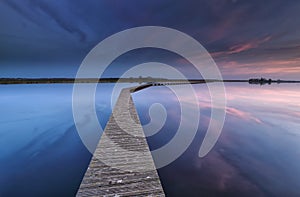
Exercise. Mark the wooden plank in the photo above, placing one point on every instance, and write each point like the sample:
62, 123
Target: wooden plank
122, 164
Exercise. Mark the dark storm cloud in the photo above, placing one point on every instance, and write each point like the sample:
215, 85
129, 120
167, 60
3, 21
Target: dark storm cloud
29, 10
20, 10
59, 18
232, 30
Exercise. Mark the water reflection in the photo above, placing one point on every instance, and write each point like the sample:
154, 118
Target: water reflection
257, 153
41, 153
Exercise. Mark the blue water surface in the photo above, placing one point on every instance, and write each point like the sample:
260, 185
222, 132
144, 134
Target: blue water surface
257, 154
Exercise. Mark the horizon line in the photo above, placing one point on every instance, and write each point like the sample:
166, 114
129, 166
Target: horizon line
162, 81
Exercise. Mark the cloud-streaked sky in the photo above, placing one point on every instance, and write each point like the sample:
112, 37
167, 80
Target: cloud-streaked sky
246, 38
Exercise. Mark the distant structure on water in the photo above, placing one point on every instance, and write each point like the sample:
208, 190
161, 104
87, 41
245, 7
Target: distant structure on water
263, 81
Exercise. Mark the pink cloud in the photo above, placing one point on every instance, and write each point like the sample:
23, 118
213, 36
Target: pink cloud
224, 27
267, 67
242, 47
246, 46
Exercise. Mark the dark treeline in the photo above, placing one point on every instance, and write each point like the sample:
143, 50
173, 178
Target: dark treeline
147, 80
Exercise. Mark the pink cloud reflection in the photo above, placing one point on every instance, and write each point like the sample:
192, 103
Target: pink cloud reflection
242, 114
276, 95
252, 102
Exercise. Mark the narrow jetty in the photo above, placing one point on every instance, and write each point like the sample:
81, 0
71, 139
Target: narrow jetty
122, 164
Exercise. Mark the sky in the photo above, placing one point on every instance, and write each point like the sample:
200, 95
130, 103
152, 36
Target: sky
246, 38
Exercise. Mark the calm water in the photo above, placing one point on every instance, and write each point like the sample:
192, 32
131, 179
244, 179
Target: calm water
257, 154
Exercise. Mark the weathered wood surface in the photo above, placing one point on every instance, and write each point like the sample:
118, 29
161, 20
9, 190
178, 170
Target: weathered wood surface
122, 164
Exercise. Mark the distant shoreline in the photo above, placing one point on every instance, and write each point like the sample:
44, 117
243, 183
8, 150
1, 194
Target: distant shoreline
149, 80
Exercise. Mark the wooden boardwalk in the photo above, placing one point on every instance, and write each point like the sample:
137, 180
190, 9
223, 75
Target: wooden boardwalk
122, 164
